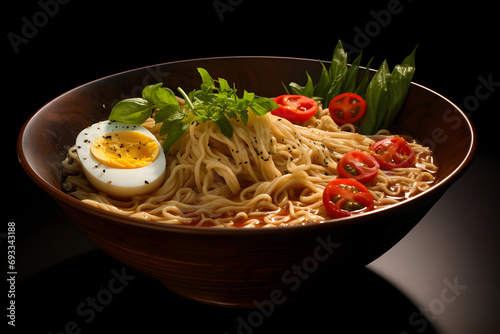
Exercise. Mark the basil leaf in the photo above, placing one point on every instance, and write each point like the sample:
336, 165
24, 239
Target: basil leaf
398, 89
309, 87
224, 85
163, 96
169, 112
337, 72
339, 62
175, 130
262, 105
244, 116
351, 77
132, 110
296, 89
377, 101
159, 95
243, 105
225, 127
321, 89
247, 97
206, 78
363, 85
147, 92
286, 89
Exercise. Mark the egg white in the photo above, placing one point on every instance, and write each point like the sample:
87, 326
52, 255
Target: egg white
119, 182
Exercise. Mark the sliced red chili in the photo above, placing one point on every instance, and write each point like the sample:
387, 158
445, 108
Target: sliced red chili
347, 108
394, 152
295, 108
344, 197
359, 166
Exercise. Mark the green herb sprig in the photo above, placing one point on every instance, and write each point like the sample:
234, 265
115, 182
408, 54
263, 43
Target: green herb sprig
384, 94
215, 101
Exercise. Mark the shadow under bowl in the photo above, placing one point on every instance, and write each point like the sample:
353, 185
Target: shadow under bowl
235, 267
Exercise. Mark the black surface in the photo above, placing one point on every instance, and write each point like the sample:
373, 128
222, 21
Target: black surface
337, 302
455, 245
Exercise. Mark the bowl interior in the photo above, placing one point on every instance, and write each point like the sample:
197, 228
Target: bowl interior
46, 136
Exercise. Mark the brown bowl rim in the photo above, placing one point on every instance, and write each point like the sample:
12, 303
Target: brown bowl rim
59, 195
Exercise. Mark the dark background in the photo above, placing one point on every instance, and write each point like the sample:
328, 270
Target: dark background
456, 244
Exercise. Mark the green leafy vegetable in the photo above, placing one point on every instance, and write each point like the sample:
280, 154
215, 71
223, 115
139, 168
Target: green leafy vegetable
215, 101
377, 100
132, 110
399, 84
385, 93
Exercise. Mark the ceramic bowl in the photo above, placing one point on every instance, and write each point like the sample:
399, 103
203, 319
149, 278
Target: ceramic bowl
238, 267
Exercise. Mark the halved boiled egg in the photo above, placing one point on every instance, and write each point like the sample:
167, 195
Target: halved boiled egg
121, 159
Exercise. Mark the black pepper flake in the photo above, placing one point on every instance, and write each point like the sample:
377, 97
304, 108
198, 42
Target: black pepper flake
146, 182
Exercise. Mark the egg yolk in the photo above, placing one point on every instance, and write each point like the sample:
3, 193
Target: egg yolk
125, 149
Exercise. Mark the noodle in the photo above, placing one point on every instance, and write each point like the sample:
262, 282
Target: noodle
270, 173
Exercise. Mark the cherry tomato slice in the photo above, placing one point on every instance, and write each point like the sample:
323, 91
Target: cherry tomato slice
359, 166
347, 108
393, 152
344, 197
295, 108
